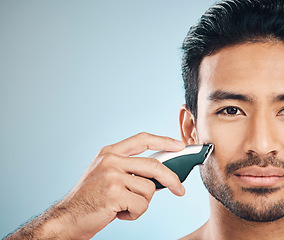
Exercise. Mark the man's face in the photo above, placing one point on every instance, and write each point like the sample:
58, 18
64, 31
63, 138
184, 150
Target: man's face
241, 111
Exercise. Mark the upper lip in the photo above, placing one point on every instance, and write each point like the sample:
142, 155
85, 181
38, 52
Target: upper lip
255, 171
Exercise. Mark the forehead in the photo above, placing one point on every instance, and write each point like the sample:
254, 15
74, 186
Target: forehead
256, 68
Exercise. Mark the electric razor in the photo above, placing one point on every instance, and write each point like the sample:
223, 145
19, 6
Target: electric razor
183, 162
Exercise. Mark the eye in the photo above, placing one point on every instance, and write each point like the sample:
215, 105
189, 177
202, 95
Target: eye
232, 111
281, 112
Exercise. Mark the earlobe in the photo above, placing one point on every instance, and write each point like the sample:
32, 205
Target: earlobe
187, 126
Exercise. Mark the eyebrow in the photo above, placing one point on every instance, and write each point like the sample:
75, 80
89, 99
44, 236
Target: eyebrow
223, 95
278, 98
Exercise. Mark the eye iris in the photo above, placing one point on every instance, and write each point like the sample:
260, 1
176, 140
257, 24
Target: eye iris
232, 110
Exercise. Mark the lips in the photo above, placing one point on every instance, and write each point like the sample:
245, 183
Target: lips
255, 176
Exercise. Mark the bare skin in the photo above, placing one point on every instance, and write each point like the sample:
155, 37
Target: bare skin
114, 186
240, 110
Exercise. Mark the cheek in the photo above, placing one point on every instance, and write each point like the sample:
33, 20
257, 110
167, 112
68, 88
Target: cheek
228, 138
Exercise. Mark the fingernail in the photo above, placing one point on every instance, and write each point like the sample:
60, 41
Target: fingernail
182, 190
178, 191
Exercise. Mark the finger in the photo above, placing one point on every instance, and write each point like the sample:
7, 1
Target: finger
139, 185
142, 142
152, 168
134, 206
144, 167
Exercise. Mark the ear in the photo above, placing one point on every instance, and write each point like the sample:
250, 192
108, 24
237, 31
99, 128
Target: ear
187, 126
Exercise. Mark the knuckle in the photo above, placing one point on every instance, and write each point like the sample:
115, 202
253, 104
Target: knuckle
155, 163
143, 135
113, 186
152, 188
143, 207
105, 150
173, 180
110, 174
108, 159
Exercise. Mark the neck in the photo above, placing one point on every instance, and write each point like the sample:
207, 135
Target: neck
223, 225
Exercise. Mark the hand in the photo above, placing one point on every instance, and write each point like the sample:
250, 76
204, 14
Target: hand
116, 184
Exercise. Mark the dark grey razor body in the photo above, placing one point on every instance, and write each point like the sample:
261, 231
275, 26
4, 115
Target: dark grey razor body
184, 161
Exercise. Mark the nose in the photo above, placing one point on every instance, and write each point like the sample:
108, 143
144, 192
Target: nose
262, 136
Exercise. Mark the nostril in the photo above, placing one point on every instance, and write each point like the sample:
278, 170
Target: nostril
252, 153
274, 152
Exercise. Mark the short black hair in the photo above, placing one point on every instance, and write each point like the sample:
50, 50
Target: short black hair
228, 23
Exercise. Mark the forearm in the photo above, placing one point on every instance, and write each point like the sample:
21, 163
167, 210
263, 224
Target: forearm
107, 190
55, 223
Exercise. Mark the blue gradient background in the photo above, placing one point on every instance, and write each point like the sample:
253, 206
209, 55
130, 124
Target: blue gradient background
78, 75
